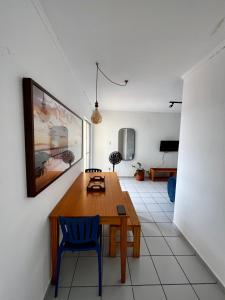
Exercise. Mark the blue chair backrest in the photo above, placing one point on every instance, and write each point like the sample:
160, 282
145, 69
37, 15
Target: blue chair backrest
79, 230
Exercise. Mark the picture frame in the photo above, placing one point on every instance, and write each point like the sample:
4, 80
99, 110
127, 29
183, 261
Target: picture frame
53, 137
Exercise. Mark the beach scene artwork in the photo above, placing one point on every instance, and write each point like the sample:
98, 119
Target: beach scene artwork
57, 138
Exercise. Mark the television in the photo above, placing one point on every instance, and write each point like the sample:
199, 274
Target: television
169, 146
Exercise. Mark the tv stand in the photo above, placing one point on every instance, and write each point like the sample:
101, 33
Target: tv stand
166, 172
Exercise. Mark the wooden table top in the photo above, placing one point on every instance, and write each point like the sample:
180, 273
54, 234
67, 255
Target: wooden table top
78, 202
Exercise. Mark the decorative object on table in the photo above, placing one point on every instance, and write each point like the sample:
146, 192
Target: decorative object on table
93, 170
139, 172
97, 185
53, 137
96, 117
171, 188
80, 234
97, 178
115, 158
126, 143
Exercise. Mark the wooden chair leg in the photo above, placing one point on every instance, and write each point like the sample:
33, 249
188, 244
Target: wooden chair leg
137, 241
112, 240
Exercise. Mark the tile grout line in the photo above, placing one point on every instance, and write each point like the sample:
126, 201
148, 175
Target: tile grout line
149, 212
164, 255
150, 284
175, 256
71, 284
168, 255
128, 266
178, 262
155, 269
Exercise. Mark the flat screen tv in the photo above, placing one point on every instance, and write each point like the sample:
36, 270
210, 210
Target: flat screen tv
169, 146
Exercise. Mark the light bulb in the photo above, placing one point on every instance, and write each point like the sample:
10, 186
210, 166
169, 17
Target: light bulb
96, 117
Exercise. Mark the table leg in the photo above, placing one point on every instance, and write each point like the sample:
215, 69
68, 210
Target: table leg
123, 247
112, 240
54, 232
137, 241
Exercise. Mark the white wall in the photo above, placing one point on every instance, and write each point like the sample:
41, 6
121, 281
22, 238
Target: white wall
150, 129
200, 195
27, 49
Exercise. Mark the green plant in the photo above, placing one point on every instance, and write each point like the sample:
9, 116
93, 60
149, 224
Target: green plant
138, 168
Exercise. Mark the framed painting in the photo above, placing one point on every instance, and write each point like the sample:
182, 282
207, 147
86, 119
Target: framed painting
53, 137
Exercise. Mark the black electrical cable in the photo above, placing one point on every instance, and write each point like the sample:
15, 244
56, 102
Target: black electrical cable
110, 80
96, 87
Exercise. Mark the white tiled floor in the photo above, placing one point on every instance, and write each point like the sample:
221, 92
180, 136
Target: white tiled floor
167, 269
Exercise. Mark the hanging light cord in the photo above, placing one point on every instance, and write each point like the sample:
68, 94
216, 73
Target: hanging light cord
96, 87
110, 80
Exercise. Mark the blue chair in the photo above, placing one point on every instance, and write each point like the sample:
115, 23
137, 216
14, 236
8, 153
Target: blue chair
80, 234
171, 188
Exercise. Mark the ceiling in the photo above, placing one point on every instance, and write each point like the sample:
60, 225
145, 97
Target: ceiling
152, 43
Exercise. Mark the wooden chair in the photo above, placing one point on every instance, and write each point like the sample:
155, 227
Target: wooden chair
133, 225
93, 170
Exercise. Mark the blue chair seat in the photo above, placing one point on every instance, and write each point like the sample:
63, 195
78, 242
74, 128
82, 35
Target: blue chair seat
79, 247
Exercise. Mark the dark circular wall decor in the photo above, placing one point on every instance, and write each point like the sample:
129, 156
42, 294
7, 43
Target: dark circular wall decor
68, 157
115, 158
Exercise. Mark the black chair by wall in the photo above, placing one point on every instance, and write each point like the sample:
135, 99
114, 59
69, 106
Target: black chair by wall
93, 170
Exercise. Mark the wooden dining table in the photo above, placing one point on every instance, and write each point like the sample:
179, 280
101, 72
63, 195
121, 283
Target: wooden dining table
77, 202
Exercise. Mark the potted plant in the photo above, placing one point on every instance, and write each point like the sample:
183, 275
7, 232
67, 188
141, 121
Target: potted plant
139, 172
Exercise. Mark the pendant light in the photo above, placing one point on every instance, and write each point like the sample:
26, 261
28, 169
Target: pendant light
96, 117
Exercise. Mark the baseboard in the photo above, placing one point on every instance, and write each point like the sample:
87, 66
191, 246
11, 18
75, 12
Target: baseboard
201, 259
48, 287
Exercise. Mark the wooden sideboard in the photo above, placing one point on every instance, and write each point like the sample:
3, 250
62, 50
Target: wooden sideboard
164, 172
